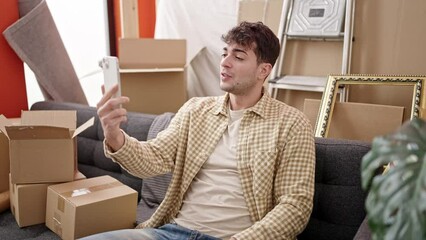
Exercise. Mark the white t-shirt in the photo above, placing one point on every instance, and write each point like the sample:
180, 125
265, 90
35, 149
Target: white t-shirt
214, 203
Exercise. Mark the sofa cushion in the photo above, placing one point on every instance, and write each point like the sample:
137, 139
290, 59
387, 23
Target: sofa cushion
154, 188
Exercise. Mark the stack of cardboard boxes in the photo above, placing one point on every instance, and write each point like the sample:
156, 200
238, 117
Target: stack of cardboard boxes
41, 152
45, 185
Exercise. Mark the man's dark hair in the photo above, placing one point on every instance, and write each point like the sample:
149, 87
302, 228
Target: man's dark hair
255, 36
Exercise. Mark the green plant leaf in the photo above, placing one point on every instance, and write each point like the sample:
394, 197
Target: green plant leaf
396, 201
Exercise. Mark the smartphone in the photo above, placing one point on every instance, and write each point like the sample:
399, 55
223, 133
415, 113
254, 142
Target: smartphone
110, 67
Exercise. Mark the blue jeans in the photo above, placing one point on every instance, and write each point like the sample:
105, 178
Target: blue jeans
169, 231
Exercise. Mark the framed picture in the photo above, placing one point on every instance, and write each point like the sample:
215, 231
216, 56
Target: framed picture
418, 106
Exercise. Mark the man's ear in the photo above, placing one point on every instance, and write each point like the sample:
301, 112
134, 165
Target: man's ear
264, 70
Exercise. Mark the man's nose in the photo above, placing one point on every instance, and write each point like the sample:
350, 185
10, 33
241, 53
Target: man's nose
225, 62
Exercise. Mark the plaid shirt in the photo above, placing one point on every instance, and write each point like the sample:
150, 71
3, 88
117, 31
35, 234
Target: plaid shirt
276, 162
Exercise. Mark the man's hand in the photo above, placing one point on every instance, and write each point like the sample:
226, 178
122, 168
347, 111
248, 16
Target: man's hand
111, 115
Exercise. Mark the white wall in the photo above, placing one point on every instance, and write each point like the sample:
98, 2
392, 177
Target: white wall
83, 27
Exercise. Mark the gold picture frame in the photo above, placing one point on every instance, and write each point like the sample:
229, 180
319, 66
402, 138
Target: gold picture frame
325, 113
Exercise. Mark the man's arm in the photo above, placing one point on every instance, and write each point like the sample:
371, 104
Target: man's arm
149, 158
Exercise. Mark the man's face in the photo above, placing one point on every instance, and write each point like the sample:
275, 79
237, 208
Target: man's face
239, 71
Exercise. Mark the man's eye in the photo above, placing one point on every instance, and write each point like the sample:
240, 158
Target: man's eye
239, 58
224, 55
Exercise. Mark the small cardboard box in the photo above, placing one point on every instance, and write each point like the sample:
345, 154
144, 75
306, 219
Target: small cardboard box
357, 121
28, 201
42, 149
153, 74
4, 157
94, 205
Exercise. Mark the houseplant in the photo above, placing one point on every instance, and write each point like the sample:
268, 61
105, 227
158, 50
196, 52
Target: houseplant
396, 201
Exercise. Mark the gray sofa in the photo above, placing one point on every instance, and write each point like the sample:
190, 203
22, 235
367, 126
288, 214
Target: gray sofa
338, 204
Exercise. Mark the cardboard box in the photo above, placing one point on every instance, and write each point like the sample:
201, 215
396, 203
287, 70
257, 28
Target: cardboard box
153, 74
94, 205
28, 201
266, 11
4, 157
358, 121
42, 149
4, 163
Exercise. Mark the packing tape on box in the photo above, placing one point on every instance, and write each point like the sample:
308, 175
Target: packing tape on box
87, 190
57, 224
57, 220
61, 204
83, 191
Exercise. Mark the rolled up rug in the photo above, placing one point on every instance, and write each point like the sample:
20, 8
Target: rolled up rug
36, 40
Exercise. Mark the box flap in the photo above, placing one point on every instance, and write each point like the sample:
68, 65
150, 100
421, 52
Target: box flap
84, 126
37, 132
152, 53
55, 118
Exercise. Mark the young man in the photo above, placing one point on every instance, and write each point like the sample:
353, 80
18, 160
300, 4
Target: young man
243, 163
